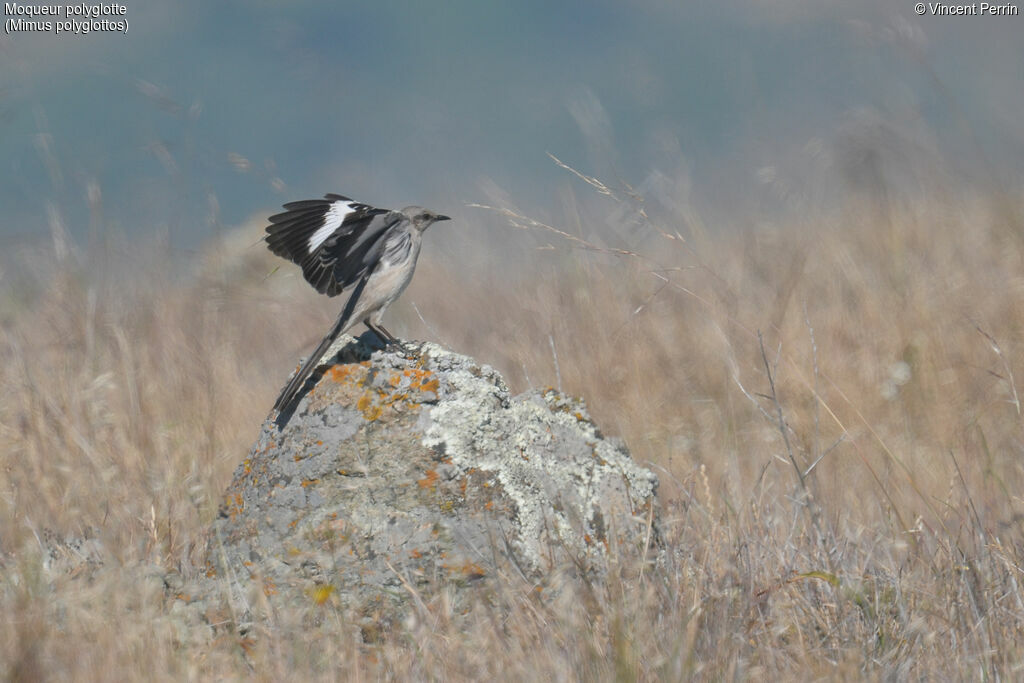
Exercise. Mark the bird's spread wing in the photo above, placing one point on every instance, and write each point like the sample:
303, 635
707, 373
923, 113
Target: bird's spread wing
333, 239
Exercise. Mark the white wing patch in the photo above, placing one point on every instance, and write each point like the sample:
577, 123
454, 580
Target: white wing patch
333, 219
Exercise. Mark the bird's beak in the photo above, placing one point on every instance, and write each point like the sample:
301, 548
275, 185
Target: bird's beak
443, 218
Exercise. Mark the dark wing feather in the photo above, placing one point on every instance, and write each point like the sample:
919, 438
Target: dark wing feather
347, 256
330, 262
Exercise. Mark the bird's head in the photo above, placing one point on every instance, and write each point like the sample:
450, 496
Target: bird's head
423, 218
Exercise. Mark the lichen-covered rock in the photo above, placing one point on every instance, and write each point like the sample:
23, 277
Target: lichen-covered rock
398, 475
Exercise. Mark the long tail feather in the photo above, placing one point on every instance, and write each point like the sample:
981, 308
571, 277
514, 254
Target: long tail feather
299, 380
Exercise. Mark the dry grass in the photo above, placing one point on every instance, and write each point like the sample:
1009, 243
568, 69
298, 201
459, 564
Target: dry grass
841, 501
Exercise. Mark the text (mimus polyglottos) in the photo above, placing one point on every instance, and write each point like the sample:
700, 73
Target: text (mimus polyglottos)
343, 245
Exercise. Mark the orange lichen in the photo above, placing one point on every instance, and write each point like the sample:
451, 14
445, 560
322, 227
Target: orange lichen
321, 593
341, 374
416, 554
374, 401
428, 481
470, 570
370, 409
234, 504
418, 379
309, 482
473, 570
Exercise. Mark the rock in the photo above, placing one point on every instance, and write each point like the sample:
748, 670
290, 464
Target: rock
72, 555
398, 476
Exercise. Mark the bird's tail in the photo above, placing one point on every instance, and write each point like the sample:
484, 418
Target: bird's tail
296, 383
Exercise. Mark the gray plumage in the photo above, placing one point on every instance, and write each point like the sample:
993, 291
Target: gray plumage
343, 245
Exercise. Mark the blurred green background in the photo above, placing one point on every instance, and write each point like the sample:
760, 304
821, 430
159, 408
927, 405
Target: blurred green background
206, 114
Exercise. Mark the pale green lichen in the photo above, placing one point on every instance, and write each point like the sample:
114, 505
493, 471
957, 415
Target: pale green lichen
559, 472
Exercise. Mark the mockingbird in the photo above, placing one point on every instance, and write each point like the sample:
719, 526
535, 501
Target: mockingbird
342, 245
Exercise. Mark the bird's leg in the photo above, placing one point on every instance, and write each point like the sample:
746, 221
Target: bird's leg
382, 334
388, 338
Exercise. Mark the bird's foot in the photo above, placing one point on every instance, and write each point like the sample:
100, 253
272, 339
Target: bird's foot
410, 352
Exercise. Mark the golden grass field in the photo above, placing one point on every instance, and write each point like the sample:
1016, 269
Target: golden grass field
841, 500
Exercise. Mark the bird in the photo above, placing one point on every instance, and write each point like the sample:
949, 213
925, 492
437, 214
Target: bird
346, 246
